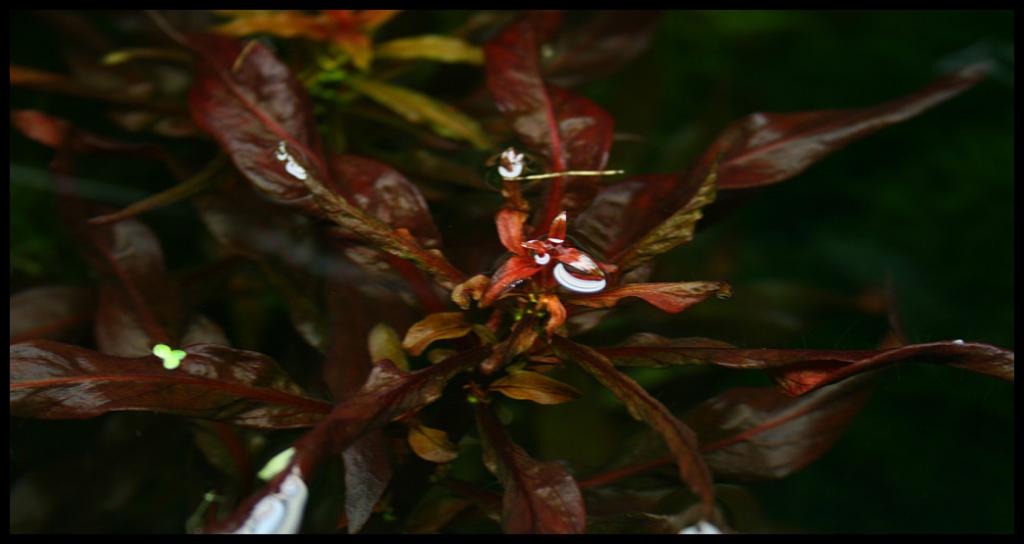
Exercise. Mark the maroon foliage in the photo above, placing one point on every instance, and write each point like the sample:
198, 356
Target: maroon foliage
57, 381
539, 497
765, 148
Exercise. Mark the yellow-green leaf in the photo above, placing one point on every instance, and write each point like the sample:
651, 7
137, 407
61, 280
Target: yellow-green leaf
384, 343
422, 109
431, 47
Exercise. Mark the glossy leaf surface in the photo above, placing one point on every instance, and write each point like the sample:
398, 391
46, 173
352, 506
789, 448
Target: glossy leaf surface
250, 102
753, 433
572, 132
50, 380
669, 297
766, 148
799, 371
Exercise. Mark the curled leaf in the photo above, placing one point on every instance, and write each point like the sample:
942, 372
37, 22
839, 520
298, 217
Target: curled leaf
432, 444
439, 326
471, 289
536, 387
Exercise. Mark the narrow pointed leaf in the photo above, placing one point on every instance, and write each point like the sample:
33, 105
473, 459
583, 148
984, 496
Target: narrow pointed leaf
422, 109
539, 497
250, 102
570, 130
679, 438
515, 270
430, 47
799, 371
50, 380
669, 297
677, 229
766, 148
510, 229
625, 210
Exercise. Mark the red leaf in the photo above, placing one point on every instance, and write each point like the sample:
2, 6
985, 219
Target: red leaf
52, 312
679, 438
248, 100
753, 433
141, 305
669, 297
539, 497
385, 193
800, 371
600, 46
515, 269
353, 314
54, 132
766, 148
510, 229
623, 211
386, 395
50, 380
571, 131
809, 370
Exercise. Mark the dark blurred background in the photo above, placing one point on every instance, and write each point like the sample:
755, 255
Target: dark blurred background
919, 215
